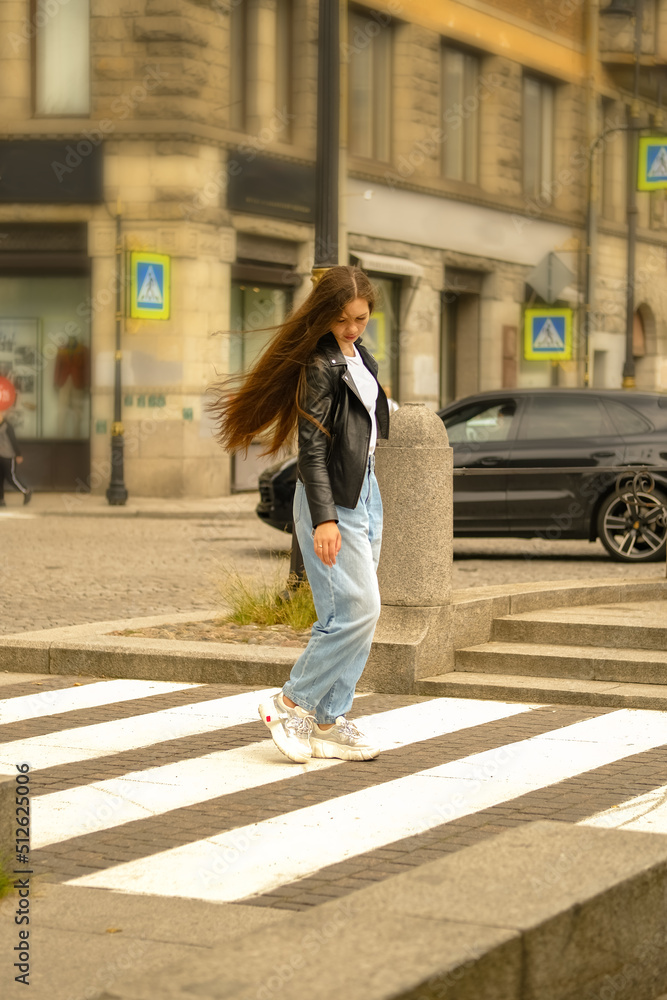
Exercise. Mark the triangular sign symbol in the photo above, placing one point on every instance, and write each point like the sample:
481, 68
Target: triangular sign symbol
150, 290
549, 337
659, 165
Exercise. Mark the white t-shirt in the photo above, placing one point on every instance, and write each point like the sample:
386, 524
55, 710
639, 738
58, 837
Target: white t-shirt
368, 390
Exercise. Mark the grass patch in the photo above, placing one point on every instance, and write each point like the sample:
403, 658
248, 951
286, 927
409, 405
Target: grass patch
261, 602
6, 881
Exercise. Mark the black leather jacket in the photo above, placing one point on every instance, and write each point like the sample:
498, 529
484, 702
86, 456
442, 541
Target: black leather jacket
332, 469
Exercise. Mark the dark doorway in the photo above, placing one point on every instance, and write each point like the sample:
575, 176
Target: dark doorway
459, 339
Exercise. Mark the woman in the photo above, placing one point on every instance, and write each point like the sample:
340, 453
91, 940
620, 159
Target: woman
316, 377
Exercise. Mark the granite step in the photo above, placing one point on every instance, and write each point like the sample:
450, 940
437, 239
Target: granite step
586, 663
544, 690
641, 625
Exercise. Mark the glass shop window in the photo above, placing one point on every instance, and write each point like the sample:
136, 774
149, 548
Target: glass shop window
381, 335
45, 352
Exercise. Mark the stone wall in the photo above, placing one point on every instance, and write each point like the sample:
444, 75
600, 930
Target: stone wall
561, 18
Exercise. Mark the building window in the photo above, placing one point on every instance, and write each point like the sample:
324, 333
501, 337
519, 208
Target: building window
261, 56
257, 309
381, 333
45, 353
460, 115
62, 57
369, 86
538, 130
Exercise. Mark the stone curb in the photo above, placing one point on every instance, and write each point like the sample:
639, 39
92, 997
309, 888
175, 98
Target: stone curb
7, 817
234, 507
206, 515
89, 650
547, 911
550, 690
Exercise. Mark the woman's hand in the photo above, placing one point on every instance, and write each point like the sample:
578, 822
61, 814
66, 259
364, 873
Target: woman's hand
327, 542
19, 459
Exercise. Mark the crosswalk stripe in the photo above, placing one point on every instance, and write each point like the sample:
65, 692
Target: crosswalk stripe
58, 816
647, 813
87, 742
262, 856
69, 699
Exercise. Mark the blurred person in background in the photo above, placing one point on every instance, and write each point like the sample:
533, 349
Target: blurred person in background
10, 457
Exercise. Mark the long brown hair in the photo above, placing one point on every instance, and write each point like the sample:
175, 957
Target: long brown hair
271, 395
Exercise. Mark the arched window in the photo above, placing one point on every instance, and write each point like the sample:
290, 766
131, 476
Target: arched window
638, 336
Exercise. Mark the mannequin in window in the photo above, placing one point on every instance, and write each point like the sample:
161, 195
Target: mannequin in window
71, 379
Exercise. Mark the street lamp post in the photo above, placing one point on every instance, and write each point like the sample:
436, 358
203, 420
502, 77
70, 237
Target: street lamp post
328, 145
116, 492
634, 9
326, 169
629, 366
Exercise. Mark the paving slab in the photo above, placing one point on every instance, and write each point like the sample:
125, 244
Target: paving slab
544, 912
84, 940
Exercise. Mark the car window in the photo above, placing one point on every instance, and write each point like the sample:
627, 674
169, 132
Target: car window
482, 422
563, 417
625, 419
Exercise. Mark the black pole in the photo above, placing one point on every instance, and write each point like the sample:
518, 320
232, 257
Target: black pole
326, 172
116, 493
629, 365
328, 128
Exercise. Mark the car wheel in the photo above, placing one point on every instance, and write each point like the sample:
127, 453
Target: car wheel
633, 526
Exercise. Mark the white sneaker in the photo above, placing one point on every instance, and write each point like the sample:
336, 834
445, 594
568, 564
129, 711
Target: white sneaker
290, 728
343, 740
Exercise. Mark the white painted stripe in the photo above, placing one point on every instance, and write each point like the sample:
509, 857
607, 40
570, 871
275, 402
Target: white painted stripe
262, 856
88, 742
105, 804
70, 699
647, 813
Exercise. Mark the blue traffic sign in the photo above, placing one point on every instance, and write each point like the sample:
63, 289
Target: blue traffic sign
150, 285
652, 165
548, 334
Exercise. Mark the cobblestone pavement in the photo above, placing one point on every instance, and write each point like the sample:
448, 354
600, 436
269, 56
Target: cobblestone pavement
73, 570
177, 790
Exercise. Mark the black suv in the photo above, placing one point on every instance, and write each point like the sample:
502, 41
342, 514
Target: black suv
542, 462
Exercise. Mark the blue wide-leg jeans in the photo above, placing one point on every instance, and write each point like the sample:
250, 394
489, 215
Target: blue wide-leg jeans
347, 601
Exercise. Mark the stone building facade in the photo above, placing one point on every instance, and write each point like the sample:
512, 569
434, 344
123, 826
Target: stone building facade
467, 129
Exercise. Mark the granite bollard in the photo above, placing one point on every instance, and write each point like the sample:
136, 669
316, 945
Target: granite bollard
414, 471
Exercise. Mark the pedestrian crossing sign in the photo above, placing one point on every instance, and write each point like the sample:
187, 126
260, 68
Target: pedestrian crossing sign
150, 285
548, 334
652, 167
